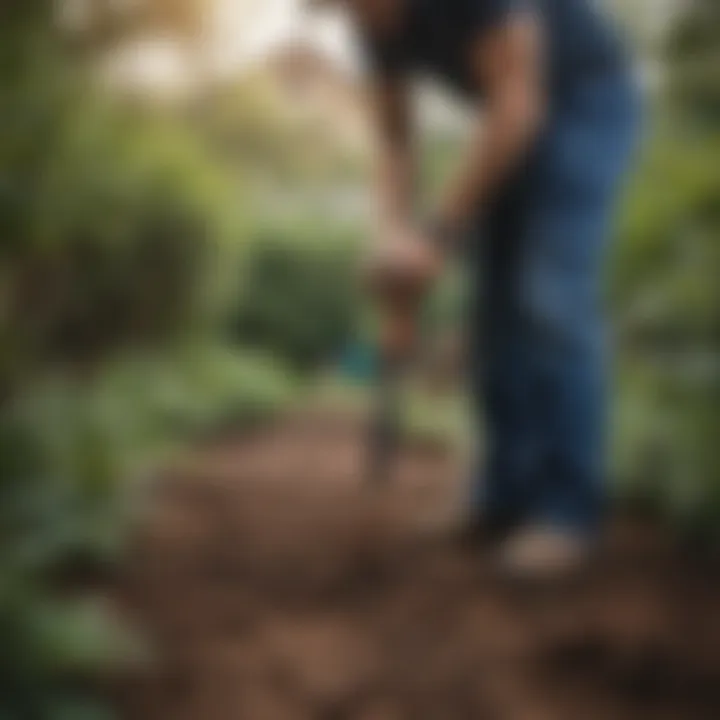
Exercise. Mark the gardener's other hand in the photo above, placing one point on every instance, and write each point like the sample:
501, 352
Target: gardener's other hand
404, 264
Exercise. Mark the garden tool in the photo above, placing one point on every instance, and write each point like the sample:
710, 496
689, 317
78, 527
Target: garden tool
398, 302
399, 297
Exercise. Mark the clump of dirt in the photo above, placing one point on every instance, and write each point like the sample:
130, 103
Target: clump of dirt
273, 585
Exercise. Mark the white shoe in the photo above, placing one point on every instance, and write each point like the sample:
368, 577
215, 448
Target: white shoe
543, 553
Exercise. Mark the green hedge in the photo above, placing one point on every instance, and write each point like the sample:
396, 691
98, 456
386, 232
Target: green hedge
115, 230
114, 233
299, 296
667, 308
71, 455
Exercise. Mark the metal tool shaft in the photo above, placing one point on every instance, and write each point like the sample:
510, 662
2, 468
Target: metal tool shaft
385, 425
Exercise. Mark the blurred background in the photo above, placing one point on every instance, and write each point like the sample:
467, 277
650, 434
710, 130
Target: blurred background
184, 199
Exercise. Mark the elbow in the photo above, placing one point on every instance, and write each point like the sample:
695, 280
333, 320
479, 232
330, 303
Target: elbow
537, 116
530, 117
523, 114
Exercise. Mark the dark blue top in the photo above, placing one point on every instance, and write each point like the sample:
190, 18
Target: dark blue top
436, 37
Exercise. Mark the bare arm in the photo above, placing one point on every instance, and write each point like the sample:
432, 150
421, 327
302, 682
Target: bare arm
396, 163
507, 64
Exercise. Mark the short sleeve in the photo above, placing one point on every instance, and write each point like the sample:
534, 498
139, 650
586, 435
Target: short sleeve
384, 57
487, 14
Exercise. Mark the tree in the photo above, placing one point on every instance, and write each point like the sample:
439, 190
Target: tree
103, 22
694, 59
665, 281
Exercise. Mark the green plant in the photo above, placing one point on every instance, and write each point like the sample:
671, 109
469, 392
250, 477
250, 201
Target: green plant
666, 297
299, 296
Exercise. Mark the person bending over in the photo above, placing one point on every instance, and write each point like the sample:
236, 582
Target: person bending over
533, 197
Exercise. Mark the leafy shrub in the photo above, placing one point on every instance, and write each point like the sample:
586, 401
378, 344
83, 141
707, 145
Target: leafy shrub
299, 295
114, 230
69, 453
114, 226
667, 305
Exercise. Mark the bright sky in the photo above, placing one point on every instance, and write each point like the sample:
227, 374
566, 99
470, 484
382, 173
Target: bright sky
240, 32
246, 29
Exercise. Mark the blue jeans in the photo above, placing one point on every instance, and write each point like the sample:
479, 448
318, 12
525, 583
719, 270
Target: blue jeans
538, 343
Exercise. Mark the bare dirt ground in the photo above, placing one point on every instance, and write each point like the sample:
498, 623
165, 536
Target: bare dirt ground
273, 586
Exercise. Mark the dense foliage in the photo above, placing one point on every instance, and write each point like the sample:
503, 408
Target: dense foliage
146, 296
666, 294
124, 243
694, 64
299, 296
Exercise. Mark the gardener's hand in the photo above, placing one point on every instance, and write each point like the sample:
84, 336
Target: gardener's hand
404, 265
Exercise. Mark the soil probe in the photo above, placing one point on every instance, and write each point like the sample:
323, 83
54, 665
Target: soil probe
399, 300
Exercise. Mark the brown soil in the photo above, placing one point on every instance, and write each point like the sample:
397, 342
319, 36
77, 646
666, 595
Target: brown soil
273, 586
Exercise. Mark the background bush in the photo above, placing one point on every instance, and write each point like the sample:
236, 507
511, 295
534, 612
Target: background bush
667, 298
299, 295
147, 297
120, 237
